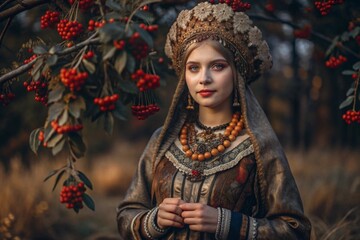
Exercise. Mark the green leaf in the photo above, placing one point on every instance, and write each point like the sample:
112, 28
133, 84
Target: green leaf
146, 16
109, 123
347, 102
76, 106
120, 62
356, 66
348, 72
48, 133
88, 201
36, 70
52, 60
345, 36
89, 66
52, 173
39, 50
145, 35
85, 179
130, 63
58, 147
332, 46
111, 31
55, 140
55, 49
55, 110
355, 32
350, 91
77, 145
64, 117
128, 86
58, 177
109, 52
34, 141
119, 110
56, 94
113, 5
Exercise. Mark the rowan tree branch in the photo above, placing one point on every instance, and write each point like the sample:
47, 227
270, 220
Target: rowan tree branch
26, 67
20, 7
313, 33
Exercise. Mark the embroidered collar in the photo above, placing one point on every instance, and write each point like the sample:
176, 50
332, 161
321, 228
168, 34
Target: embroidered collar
198, 170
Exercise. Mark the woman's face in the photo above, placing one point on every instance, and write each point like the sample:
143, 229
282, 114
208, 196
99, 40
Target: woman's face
209, 77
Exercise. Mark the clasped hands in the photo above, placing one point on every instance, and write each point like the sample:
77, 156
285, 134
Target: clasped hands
174, 212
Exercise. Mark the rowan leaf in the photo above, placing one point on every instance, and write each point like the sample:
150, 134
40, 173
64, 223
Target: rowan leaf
58, 177
64, 117
55, 110
130, 63
77, 145
109, 52
52, 60
39, 50
120, 62
34, 141
144, 35
52, 173
356, 66
88, 201
349, 100
350, 91
54, 140
89, 66
109, 123
76, 106
56, 93
85, 179
348, 72
58, 147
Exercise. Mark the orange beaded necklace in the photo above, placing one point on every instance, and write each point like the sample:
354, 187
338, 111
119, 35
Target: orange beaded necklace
231, 133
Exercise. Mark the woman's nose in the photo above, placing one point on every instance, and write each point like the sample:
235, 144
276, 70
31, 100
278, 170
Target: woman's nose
205, 78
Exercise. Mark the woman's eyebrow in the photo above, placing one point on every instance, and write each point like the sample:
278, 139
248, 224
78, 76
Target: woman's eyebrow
212, 61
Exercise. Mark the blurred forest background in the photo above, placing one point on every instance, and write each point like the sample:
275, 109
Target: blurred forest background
300, 96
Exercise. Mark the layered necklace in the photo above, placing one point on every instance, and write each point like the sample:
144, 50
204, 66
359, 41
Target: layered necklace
207, 144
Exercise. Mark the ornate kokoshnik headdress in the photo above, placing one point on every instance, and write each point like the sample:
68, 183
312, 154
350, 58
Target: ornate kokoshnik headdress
233, 30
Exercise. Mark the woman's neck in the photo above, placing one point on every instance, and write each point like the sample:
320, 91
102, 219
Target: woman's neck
211, 118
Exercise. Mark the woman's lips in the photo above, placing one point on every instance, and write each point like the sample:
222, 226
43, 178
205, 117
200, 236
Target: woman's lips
206, 93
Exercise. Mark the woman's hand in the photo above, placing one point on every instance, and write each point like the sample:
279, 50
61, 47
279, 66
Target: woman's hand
169, 214
200, 217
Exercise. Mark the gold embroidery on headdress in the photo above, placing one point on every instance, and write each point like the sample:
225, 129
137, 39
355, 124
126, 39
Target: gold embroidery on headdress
219, 22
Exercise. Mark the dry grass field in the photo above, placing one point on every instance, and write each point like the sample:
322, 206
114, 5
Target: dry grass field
328, 179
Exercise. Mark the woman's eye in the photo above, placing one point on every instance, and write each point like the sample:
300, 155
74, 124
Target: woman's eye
193, 68
218, 66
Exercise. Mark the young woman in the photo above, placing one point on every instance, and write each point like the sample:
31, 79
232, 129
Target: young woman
215, 170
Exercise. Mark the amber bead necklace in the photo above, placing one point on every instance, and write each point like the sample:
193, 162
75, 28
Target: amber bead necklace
231, 133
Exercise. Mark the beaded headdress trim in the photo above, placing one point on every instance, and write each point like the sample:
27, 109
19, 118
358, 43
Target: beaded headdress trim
234, 30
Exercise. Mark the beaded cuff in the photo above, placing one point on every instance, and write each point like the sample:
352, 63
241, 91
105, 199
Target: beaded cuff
223, 224
151, 229
252, 228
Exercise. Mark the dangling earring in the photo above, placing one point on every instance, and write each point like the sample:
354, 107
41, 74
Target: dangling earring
190, 105
236, 102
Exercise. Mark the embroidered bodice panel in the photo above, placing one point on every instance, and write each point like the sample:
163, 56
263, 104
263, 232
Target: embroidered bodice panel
228, 182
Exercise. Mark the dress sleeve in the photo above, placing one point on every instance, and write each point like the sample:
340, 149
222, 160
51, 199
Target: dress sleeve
283, 217
137, 201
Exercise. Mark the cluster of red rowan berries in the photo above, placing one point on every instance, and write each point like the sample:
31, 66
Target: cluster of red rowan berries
40, 88
145, 81
304, 32
65, 128
50, 19
5, 98
107, 103
351, 116
69, 29
30, 59
83, 4
72, 195
139, 48
334, 62
95, 24
142, 112
88, 55
149, 28
236, 5
325, 5
119, 44
73, 79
